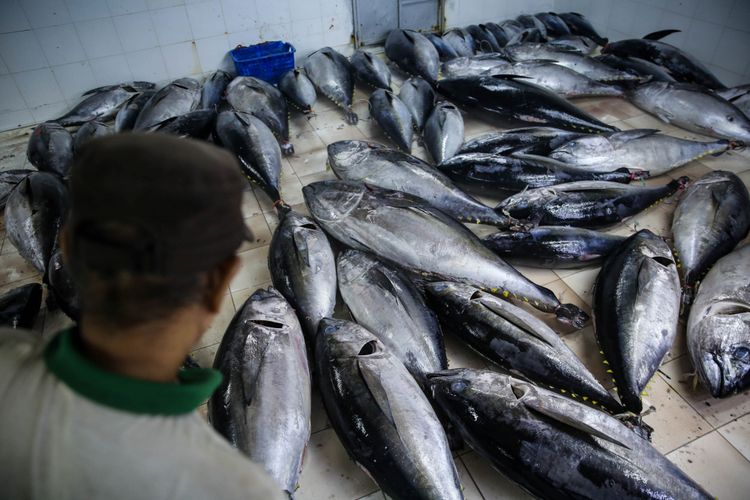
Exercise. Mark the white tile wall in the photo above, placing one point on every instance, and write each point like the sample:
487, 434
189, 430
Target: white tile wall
717, 32
51, 51
465, 12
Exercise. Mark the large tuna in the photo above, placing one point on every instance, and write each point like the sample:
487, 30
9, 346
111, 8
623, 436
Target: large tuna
529, 140
554, 447
262, 406
641, 68
579, 25
554, 24
50, 148
197, 124
636, 308
381, 416
90, 130
371, 70
444, 131
718, 328
128, 112
61, 286
419, 97
19, 306
102, 103
475, 65
331, 73
393, 117
445, 50
413, 53
484, 39
407, 231
212, 92
461, 41
9, 179
179, 97
299, 90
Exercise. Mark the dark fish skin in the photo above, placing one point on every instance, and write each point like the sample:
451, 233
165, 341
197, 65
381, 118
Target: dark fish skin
303, 269
498, 32
213, 89
63, 288
579, 25
331, 73
461, 41
484, 39
102, 103
197, 124
381, 416
511, 97
531, 140
393, 117
419, 97
179, 97
555, 447
298, 89
406, 231
445, 50
413, 53
512, 27
636, 309
711, 217
553, 247
681, 65
50, 148
9, 179
444, 131
371, 70
590, 204
256, 149
510, 173
636, 66
34, 214
554, 24
128, 113
577, 43
515, 340
532, 22
262, 406
376, 165
90, 130
20, 306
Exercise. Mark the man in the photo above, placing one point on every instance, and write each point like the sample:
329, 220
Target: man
104, 410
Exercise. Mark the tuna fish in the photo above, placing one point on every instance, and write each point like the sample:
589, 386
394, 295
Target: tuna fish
371, 70
381, 416
581, 44
739, 96
213, 89
710, 219
197, 124
61, 286
480, 64
483, 38
262, 406
646, 70
532, 22
298, 89
419, 98
408, 232
555, 447
587, 66
128, 113
510, 173
303, 269
445, 50
34, 214
393, 117
331, 73
530, 140
498, 32
553, 247
413, 53
718, 328
644, 150
90, 130
50, 148
444, 131
636, 308
179, 97
553, 23
383, 300
9, 179
590, 204
461, 41
378, 166
515, 340
102, 103
264, 101
511, 97
19, 307
579, 25
256, 149
692, 108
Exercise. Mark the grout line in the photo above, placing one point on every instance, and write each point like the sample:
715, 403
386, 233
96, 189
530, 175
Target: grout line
471, 476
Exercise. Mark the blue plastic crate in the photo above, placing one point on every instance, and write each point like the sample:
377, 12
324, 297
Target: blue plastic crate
267, 61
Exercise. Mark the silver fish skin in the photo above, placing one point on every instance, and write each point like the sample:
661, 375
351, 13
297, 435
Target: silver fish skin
413, 53
445, 50
381, 416
303, 269
408, 232
9, 179
585, 65
50, 148
474, 65
34, 214
90, 130
692, 108
298, 89
419, 97
718, 328
515, 340
393, 117
261, 99
197, 124
331, 73
639, 149
371, 70
578, 43
213, 89
100, 104
532, 140
636, 309
383, 299
444, 131
262, 406
462, 42
554, 24
379, 166
128, 112
179, 97
553, 446
711, 217
637, 66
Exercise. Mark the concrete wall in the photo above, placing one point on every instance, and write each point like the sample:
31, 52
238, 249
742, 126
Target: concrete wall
717, 32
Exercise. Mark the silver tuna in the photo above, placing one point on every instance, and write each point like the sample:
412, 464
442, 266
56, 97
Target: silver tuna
299, 90
371, 70
393, 117
419, 97
331, 73
444, 131
179, 97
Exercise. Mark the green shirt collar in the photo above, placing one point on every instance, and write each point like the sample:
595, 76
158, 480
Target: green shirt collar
63, 358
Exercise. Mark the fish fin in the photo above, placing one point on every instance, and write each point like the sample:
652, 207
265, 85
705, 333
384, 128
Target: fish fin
250, 373
373, 382
408, 36
629, 135
301, 250
658, 35
505, 76
513, 319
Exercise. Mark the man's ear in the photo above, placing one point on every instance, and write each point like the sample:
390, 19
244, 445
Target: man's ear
218, 283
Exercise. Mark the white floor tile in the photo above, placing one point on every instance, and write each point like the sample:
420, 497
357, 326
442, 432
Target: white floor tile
737, 433
491, 483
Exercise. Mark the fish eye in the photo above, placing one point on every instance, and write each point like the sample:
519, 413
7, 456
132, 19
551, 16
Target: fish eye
741, 354
730, 118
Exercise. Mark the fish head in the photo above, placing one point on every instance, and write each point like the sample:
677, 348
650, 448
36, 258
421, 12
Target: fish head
346, 154
332, 201
722, 357
351, 265
451, 296
591, 147
461, 389
341, 339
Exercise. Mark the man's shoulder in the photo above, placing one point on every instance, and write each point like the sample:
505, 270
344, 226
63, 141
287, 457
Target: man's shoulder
17, 346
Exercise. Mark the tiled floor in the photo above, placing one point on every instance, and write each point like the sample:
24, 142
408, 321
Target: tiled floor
709, 439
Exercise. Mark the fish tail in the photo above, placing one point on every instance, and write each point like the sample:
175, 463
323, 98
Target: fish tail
281, 207
639, 175
571, 314
351, 117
